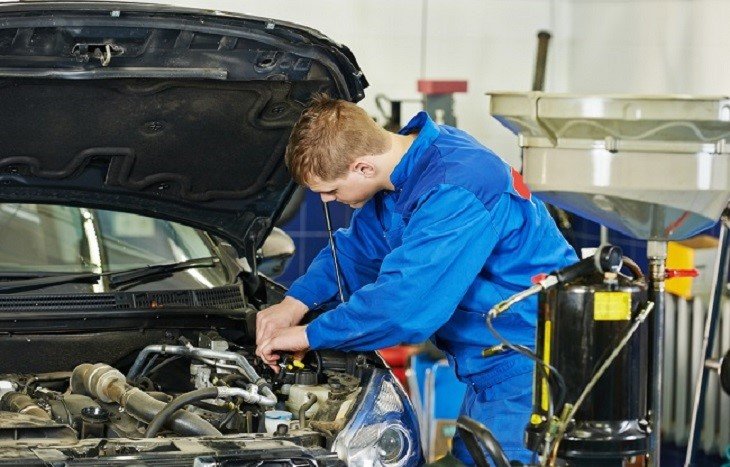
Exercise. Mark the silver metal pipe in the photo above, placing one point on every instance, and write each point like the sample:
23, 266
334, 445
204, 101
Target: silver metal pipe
192, 352
657, 255
333, 248
224, 366
248, 396
201, 354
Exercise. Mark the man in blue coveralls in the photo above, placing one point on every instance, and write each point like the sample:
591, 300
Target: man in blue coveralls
443, 230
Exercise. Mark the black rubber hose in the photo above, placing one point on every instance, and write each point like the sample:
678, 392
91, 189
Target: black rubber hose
177, 403
478, 439
227, 419
142, 406
311, 400
232, 378
633, 267
48, 377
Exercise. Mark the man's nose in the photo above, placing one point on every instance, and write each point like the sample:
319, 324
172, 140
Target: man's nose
326, 198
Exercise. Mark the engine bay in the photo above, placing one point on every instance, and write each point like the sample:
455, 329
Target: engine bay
195, 385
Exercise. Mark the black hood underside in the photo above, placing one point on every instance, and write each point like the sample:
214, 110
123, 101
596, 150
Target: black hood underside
176, 114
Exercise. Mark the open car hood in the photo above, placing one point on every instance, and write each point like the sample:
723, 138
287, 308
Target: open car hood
167, 112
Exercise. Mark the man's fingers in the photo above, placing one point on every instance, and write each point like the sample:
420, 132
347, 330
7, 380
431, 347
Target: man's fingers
266, 352
266, 332
267, 328
260, 332
262, 324
259, 325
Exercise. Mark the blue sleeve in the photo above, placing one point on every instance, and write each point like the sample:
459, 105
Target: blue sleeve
360, 251
445, 245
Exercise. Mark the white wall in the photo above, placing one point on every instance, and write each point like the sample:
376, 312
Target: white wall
493, 45
649, 46
490, 43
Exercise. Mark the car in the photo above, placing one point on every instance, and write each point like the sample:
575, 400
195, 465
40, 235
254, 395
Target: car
141, 172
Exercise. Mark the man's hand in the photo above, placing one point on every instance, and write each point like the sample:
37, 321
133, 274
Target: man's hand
291, 339
286, 314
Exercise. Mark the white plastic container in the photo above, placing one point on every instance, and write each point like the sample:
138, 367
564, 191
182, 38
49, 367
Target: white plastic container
298, 396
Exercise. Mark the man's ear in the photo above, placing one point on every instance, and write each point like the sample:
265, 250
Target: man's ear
363, 167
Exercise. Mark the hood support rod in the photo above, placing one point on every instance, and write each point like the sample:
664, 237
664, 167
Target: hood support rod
333, 249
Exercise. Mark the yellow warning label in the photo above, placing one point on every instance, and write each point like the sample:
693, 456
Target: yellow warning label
612, 306
546, 359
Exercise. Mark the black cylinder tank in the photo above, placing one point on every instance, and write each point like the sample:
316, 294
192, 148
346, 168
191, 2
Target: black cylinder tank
579, 324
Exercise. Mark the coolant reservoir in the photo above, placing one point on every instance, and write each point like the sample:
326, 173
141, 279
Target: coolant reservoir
298, 396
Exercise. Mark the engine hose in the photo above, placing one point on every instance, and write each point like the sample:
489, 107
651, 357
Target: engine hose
171, 409
229, 380
48, 377
177, 403
144, 407
311, 400
107, 384
227, 419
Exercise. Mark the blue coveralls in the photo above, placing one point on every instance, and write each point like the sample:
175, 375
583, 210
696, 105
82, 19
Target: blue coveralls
460, 233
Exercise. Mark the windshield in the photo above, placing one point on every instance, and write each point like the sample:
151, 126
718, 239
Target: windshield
42, 238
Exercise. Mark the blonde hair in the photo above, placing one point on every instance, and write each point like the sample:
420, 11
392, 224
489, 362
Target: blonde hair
329, 136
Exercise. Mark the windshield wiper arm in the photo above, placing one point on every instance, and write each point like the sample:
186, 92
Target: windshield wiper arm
115, 278
123, 277
45, 281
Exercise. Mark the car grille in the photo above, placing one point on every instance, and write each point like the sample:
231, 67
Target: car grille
226, 298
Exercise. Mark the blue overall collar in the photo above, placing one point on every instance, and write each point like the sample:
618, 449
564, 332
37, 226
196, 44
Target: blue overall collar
428, 131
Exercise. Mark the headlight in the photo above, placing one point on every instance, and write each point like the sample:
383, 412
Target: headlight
383, 432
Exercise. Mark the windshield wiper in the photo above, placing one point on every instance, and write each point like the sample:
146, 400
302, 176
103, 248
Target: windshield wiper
115, 278
124, 277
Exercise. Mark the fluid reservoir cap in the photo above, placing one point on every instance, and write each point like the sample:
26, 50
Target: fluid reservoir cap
305, 377
94, 414
274, 418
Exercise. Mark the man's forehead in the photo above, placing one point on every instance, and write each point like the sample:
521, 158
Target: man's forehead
319, 185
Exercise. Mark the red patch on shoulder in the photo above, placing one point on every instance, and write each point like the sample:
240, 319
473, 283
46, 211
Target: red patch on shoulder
519, 184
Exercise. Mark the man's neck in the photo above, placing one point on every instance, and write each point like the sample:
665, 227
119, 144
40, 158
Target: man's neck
399, 145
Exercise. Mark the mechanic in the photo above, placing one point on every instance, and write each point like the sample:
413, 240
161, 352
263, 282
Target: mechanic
443, 230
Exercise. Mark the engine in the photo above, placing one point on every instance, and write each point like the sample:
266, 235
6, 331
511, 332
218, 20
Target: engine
211, 388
